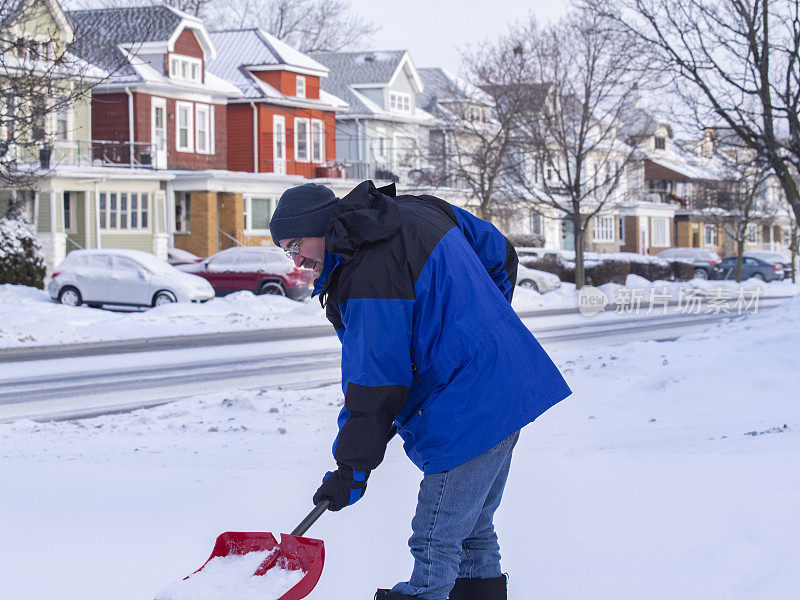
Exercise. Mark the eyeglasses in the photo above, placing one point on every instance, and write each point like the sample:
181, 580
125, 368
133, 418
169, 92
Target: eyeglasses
294, 248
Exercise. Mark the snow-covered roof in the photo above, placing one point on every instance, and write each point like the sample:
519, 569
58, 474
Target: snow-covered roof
111, 38
439, 85
354, 71
243, 52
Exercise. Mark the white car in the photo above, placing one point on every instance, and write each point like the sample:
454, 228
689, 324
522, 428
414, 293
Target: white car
123, 277
533, 279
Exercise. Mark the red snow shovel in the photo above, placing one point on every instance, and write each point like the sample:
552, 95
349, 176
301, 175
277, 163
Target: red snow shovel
293, 552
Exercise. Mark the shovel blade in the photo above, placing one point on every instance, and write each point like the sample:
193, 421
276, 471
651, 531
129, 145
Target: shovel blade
293, 553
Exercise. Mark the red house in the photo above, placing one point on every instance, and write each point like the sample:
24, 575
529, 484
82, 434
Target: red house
282, 123
160, 105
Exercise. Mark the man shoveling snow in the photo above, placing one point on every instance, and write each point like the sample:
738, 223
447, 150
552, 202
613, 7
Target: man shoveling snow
419, 293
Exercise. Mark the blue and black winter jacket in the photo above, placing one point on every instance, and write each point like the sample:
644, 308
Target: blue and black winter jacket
419, 292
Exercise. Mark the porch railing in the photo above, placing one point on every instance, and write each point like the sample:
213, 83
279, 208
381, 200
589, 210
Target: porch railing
86, 153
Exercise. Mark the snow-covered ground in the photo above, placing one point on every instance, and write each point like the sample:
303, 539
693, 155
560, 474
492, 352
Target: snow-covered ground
28, 317
672, 472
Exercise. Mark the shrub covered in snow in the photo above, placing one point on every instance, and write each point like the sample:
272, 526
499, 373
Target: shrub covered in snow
21, 259
614, 267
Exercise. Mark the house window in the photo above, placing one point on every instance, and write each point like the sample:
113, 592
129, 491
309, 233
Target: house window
661, 143
183, 211
257, 212
753, 233
300, 87
660, 232
622, 229
399, 102
603, 229
710, 235
317, 141
278, 144
183, 127
184, 68
61, 127
537, 223
203, 128
124, 211
301, 140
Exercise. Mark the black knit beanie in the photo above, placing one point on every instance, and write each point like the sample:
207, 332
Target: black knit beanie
302, 211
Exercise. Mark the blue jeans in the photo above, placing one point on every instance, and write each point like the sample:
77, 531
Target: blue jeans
453, 533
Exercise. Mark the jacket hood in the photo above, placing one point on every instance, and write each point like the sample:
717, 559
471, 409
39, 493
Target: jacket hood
364, 216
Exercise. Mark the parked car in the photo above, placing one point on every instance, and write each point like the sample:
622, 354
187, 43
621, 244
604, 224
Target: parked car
706, 262
176, 256
259, 269
753, 267
123, 277
534, 279
785, 260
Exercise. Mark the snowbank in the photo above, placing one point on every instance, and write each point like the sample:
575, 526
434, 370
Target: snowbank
28, 317
669, 473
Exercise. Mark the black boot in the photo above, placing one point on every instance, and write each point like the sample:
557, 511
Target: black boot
480, 589
388, 595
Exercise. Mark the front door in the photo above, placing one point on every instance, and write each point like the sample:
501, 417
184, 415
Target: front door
159, 132
567, 234
279, 144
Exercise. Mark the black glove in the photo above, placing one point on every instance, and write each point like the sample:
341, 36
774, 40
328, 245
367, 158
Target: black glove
342, 487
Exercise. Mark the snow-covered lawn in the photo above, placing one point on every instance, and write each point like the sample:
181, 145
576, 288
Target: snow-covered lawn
28, 317
672, 472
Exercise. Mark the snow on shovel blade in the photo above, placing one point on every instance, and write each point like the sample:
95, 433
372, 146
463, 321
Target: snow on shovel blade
292, 553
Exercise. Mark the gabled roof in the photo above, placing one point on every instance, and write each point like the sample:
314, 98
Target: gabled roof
354, 71
439, 85
354, 68
257, 48
242, 52
9, 12
100, 34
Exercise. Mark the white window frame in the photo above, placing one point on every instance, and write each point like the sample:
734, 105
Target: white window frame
179, 63
320, 158
753, 233
603, 228
184, 201
400, 102
248, 215
189, 147
308, 140
300, 87
710, 235
104, 216
660, 232
209, 133
278, 165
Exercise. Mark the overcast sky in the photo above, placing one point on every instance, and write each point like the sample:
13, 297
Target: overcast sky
434, 30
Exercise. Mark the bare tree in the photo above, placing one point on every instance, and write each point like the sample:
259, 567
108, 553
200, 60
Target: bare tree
308, 25
741, 59
39, 80
472, 147
738, 199
574, 158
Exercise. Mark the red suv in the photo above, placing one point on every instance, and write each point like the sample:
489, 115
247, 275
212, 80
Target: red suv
257, 269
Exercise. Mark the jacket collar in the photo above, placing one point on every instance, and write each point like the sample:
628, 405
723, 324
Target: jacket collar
329, 263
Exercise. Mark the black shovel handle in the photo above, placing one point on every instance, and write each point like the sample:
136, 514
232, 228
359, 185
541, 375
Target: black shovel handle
315, 514
322, 506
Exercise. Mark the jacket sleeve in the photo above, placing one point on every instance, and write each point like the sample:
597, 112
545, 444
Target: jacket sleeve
494, 250
376, 374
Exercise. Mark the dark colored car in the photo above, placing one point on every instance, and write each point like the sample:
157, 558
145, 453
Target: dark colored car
783, 259
260, 270
706, 263
753, 267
